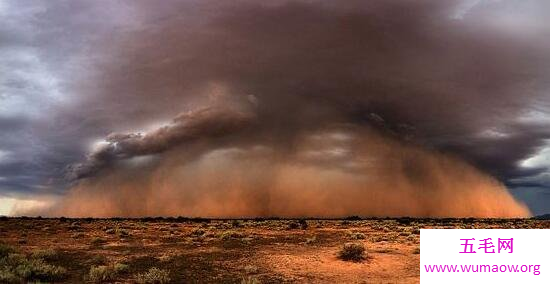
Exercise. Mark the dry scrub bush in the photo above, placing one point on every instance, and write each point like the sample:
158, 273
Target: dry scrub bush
356, 236
103, 273
45, 254
352, 252
153, 276
17, 268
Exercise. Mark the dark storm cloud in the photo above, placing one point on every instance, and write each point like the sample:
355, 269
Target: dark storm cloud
204, 123
451, 76
412, 64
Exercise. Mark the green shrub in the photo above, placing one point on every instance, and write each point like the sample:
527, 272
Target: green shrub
352, 252
153, 276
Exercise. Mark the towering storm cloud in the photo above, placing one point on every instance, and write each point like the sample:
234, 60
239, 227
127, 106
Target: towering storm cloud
304, 108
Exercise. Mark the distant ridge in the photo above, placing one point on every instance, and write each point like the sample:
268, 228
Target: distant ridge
543, 217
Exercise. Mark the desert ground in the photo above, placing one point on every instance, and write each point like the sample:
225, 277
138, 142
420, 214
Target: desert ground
184, 250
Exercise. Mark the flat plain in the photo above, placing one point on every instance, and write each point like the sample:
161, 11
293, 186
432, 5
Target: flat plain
196, 250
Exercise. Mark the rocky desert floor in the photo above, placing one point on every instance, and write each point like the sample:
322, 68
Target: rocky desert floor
183, 250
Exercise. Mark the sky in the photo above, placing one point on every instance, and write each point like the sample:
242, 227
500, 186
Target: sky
234, 108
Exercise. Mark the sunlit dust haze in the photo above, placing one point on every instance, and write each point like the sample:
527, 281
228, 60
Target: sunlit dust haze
366, 174
280, 108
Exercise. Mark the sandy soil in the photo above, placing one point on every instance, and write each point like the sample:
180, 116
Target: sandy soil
234, 251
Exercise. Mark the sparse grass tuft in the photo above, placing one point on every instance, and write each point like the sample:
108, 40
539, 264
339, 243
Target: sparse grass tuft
250, 280
247, 240
5, 250
384, 250
236, 224
231, 235
104, 273
356, 236
17, 268
98, 259
101, 273
293, 225
121, 267
153, 276
74, 226
311, 240
303, 224
345, 223
97, 241
251, 269
78, 235
122, 233
352, 252
198, 232
45, 254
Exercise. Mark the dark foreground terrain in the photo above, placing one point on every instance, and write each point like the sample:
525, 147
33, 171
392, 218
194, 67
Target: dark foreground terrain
181, 250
